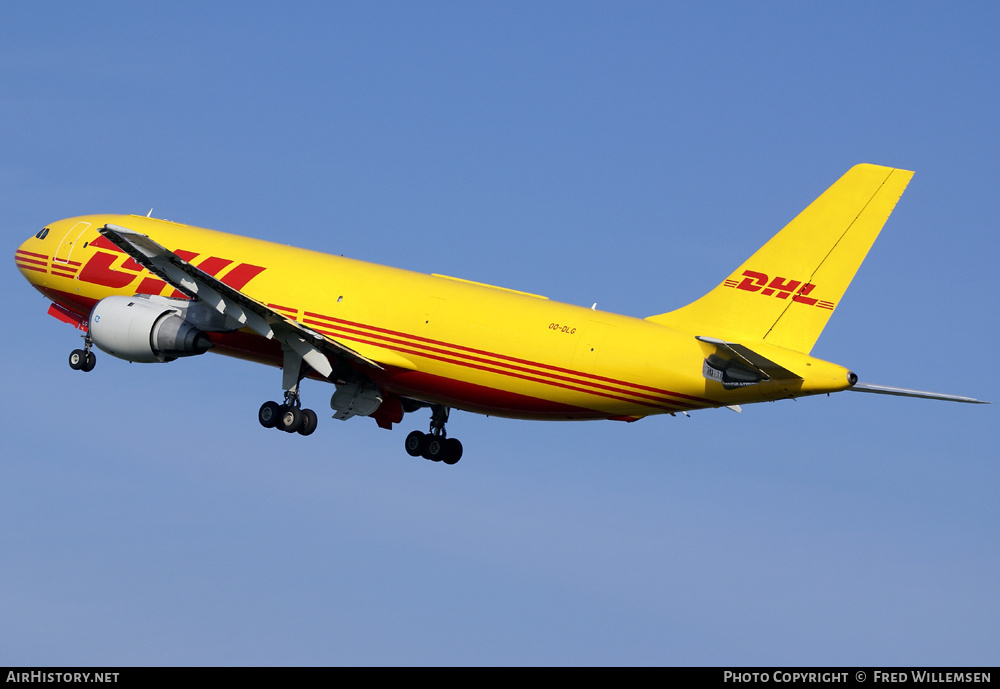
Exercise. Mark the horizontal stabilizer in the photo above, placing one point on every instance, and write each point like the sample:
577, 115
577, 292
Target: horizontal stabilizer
767, 368
904, 392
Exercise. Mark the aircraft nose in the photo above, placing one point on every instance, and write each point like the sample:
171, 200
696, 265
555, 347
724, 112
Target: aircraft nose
29, 257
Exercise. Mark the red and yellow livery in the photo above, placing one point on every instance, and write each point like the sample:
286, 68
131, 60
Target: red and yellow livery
394, 341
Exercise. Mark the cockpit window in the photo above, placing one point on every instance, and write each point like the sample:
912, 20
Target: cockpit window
42, 234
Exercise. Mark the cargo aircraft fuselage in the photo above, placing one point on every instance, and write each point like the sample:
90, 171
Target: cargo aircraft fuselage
394, 341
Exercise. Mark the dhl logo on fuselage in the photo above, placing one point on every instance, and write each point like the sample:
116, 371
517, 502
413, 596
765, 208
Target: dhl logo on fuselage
100, 269
780, 287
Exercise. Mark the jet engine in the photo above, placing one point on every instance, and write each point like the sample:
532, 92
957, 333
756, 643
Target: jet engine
144, 331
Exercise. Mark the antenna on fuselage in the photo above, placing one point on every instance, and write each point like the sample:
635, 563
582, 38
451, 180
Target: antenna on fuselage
150, 213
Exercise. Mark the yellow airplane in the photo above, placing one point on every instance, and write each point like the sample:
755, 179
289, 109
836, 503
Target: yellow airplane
394, 341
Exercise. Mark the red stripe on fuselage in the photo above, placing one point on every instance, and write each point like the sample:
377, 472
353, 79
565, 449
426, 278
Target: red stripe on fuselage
491, 368
422, 386
509, 370
481, 399
31, 261
549, 367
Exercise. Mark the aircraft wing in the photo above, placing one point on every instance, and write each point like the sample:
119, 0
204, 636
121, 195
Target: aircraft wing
240, 309
905, 392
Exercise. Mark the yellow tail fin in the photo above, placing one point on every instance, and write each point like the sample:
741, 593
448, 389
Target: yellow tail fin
784, 294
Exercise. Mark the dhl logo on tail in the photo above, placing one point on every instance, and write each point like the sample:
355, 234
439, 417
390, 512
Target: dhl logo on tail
779, 287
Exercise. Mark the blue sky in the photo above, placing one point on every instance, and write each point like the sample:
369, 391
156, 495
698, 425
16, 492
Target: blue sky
624, 154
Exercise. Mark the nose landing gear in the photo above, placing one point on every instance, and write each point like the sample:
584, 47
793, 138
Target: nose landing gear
435, 446
83, 359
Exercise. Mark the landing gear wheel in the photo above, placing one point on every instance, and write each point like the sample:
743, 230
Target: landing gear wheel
436, 449
415, 443
268, 414
309, 422
290, 420
77, 358
89, 362
453, 451
436, 445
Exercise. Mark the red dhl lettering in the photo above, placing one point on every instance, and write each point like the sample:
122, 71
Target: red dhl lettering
98, 271
779, 287
110, 267
753, 281
801, 296
782, 287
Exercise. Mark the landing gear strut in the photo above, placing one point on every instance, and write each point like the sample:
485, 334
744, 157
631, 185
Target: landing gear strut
83, 359
289, 416
435, 446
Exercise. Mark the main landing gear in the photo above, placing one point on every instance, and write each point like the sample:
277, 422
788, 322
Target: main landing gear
83, 359
435, 446
289, 416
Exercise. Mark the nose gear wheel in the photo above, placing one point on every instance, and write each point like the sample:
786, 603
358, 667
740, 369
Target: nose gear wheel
83, 359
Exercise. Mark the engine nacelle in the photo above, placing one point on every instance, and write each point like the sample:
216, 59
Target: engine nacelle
138, 329
352, 399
